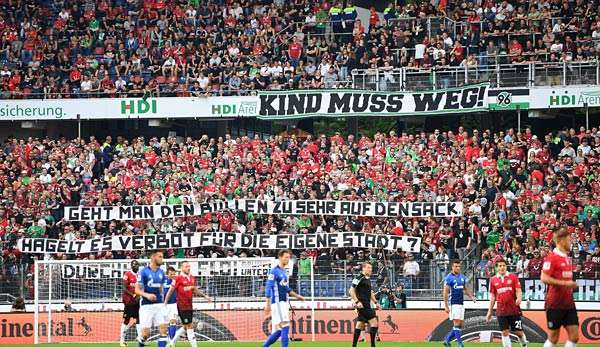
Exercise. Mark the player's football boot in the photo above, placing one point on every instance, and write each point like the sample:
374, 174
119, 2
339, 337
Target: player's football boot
446, 344
122, 344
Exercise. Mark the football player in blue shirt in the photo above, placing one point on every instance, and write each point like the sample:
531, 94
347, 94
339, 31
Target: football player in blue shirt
454, 289
276, 292
171, 307
150, 287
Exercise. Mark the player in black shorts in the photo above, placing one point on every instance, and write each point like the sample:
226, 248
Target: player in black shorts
365, 303
131, 302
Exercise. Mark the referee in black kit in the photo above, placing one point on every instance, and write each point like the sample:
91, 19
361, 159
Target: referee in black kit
363, 299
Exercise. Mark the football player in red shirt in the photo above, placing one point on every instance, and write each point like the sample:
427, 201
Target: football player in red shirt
557, 274
505, 289
185, 285
130, 301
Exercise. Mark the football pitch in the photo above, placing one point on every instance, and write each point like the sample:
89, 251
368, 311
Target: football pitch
292, 344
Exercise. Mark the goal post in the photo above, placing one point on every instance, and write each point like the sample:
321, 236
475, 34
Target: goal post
79, 301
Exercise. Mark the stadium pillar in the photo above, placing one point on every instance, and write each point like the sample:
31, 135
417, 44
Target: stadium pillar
518, 118
352, 125
36, 302
312, 298
222, 127
587, 116
400, 125
79, 128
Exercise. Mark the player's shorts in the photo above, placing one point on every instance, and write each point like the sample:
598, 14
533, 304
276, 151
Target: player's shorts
280, 312
132, 311
457, 312
561, 318
186, 316
365, 314
514, 323
152, 315
171, 313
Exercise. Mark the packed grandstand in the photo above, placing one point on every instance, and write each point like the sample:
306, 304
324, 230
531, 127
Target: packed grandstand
516, 188
107, 48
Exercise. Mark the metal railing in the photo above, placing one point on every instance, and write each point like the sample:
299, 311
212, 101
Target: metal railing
433, 26
501, 75
75, 94
334, 278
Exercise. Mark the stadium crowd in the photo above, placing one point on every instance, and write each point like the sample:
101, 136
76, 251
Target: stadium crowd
108, 48
516, 188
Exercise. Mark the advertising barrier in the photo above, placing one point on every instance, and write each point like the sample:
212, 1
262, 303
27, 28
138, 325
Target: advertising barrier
565, 97
330, 325
273, 105
124, 108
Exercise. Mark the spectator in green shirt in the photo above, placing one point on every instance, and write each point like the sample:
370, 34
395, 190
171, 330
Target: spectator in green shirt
303, 223
384, 297
35, 231
304, 266
174, 200
492, 238
399, 297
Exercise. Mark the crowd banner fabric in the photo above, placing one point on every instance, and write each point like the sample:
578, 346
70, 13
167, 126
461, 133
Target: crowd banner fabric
284, 207
342, 102
534, 289
219, 239
239, 267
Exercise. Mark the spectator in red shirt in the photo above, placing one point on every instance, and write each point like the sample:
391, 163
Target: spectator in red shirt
295, 52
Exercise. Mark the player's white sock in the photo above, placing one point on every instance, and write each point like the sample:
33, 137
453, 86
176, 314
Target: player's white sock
523, 340
138, 328
178, 334
192, 337
549, 344
123, 331
570, 344
506, 341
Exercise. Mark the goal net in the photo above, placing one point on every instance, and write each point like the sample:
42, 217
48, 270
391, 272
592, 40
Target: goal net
80, 301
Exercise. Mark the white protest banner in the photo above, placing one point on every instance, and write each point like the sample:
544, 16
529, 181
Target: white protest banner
225, 240
360, 103
116, 269
284, 207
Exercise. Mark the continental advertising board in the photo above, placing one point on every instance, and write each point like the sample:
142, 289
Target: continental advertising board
252, 325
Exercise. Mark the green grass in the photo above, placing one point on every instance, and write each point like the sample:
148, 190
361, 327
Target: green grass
292, 344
